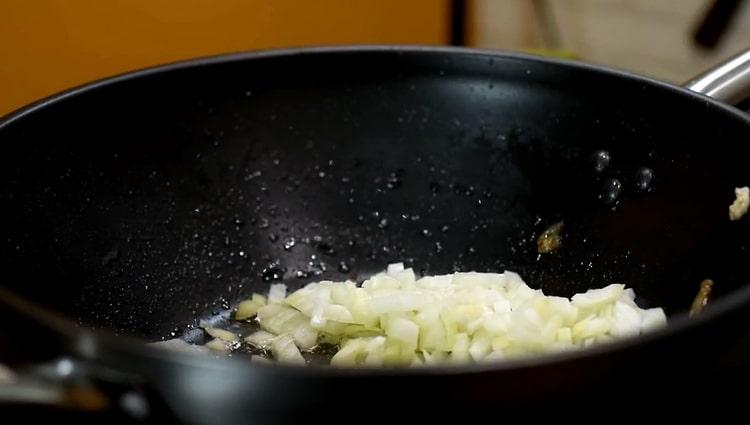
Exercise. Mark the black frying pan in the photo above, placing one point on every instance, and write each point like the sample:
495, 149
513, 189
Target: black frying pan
142, 203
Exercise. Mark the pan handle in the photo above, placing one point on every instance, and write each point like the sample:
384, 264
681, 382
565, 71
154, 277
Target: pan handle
728, 82
36, 377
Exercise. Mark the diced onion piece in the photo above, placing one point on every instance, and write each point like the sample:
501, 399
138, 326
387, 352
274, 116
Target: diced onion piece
626, 320
222, 334
435, 357
395, 268
479, 348
284, 350
260, 359
247, 309
380, 282
591, 327
270, 310
217, 333
653, 318
403, 331
494, 356
338, 313
564, 336
406, 277
277, 293
280, 319
305, 337
260, 339
477, 279
399, 301
460, 350
597, 297
217, 344
348, 353
176, 344
375, 350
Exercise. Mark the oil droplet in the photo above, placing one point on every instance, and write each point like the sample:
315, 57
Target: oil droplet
394, 180
643, 179
611, 191
289, 244
272, 273
601, 160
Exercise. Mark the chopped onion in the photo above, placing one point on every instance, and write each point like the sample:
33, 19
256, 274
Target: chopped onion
260, 359
277, 293
653, 318
260, 339
177, 344
281, 319
219, 345
247, 309
285, 351
220, 334
395, 268
394, 319
404, 332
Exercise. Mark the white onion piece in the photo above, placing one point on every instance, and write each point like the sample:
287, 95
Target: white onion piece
653, 318
626, 320
282, 319
277, 293
285, 351
395, 268
217, 333
247, 309
219, 345
176, 344
260, 359
598, 297
260, 339
404, 332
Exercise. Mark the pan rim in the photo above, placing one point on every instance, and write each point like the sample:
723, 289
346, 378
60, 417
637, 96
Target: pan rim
677, 325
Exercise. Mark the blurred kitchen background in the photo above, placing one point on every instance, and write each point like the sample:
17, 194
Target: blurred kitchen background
50, 45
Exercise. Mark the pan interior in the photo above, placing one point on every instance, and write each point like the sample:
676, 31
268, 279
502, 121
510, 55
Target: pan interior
144, 204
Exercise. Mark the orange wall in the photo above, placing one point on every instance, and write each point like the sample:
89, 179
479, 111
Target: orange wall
50, 45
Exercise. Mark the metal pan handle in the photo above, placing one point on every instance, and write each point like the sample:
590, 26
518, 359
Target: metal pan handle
728, 82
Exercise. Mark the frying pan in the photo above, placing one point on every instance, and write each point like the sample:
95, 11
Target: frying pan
135, 206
